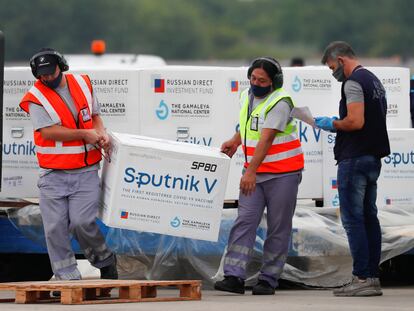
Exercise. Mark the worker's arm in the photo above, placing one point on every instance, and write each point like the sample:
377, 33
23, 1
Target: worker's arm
100, 128
61, 133
248, 180
98, 124
354, 120
230, 147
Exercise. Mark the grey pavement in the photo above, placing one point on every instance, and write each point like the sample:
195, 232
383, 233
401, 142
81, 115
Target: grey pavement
394, 298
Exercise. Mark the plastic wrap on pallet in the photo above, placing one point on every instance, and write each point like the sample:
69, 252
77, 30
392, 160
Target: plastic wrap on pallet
29, 222
318, 254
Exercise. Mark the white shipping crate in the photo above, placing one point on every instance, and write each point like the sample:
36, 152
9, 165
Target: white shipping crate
315, 87
193, 104
396, 182
19, 163
396, 81
163, 186
198, 105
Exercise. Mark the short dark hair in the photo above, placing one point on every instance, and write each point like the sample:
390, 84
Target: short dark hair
337, 48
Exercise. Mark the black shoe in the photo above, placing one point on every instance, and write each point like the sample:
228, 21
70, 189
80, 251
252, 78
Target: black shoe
230, 284
110, 272
263, 288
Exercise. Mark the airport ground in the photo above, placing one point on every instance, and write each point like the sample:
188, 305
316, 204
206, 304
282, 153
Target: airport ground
394, 298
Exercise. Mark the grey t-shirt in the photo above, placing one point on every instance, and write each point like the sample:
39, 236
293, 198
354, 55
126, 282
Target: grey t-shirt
277, 118
353, 92
40, 119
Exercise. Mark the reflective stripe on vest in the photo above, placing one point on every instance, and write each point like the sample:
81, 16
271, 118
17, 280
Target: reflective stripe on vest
59, 149
285, 154
85, 89
276, 140
69, 154
46, 104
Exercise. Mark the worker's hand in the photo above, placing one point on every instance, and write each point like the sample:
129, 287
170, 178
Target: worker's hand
229, 147
105, 143
325, 123
248, 183
91, 136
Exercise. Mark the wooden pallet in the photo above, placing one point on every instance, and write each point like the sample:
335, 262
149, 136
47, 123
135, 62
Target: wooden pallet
98, 291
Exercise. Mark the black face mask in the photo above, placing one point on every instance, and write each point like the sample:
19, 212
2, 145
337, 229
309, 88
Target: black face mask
54, 83
260, 91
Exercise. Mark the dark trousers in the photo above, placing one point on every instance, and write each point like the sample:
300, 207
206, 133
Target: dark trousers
278, 195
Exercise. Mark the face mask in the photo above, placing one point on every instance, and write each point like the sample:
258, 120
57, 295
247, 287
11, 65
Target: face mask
54, 83
260, 91
339, 73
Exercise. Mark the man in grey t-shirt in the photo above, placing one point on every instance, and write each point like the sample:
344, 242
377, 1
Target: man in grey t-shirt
360, 143
68, 134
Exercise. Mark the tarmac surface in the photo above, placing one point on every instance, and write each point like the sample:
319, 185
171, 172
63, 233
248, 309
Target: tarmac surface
394, 298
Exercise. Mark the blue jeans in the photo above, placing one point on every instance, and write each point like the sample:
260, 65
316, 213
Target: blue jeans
357, 187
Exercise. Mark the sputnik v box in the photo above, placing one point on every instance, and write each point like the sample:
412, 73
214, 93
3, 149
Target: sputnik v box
164, 186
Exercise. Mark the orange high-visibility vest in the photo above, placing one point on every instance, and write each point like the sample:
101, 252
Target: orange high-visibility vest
285, 154
69, 154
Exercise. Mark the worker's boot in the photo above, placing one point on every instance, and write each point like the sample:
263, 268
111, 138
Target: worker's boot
110, 272
230, 284
263, 288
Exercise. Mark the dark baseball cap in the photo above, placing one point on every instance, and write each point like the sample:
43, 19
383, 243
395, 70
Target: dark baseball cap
45, 64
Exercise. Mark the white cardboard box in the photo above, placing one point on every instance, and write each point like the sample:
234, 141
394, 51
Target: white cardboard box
164, 187
195, 104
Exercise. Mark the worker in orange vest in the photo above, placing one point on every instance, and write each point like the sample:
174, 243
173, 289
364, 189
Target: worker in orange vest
69, 135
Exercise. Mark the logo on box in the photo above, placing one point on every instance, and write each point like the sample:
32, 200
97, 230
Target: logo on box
13, 181
335, 200
399, 200
175, 222
234, 86
334, 183
162, 111
159, 85
183, 133
124, 215
297, 84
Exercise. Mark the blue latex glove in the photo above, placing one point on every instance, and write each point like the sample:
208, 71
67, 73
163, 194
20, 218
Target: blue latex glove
326, 123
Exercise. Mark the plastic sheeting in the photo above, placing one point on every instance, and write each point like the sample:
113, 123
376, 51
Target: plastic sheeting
29, 222
318, 255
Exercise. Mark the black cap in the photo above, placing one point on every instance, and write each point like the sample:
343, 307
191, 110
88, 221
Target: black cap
45, 65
